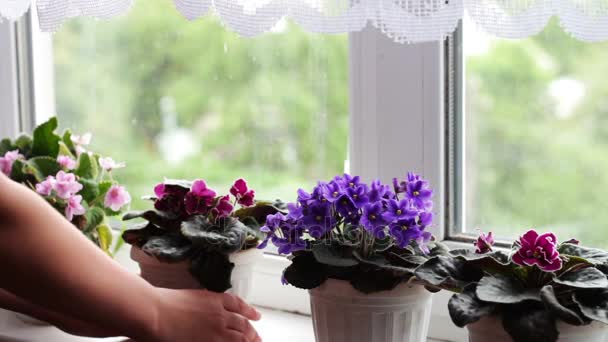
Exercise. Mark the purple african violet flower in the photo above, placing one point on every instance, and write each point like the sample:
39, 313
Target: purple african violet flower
359, 195
66, 162
108, 164
117, 197
304, 197
484, 243
425, 219
540, 250
199, 198
239, 188
247, 199
419, 193
318, 220
332, 191
74, 208
399, 211
372, 217
404, 231
66, 185
346, 207
377, 191
45, 188
350, 181
6, 162
296, 211
399, 186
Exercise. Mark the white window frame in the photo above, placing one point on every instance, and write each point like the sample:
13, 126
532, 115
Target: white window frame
397, 124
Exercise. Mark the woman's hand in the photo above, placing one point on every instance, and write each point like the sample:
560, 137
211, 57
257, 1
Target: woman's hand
199, 315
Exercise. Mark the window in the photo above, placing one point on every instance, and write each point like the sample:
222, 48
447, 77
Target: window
190, 100
530, 135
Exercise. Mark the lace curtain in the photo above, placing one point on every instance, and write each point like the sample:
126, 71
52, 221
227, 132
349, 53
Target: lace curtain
402, 20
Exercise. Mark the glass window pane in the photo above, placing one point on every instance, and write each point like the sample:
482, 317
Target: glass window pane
189, 100
536, 135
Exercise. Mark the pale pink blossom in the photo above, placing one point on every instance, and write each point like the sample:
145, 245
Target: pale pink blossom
46, 187
84, 139
80, 150
66, 162
109, 164
117, 197
66, 185
74, 208
6, 162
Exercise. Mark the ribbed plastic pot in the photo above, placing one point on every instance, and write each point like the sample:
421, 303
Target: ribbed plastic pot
490, 329
342, 314
177, 275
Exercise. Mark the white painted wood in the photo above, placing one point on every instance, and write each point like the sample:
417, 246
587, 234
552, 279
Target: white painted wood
9, 101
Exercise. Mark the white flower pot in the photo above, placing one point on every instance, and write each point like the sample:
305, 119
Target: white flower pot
342, 314
491, 329
177, 275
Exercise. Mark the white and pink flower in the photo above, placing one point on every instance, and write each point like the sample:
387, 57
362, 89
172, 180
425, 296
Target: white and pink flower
74, 207
66, 185
84, 139
6, 162
109, 164
46, 187
117, 197
66, 162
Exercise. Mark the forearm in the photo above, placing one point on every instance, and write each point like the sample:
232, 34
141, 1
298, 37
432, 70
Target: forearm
48, 262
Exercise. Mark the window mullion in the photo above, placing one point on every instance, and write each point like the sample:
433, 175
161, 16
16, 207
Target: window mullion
9, 89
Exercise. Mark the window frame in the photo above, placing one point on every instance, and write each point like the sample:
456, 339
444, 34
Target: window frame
396, 90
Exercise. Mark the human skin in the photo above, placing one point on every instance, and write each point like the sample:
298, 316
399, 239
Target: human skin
51, 271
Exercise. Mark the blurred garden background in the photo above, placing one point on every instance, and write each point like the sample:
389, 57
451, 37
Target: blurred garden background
183, 99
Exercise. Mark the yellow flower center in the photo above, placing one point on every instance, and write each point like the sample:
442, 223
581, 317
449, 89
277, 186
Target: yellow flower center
536, 254
355, 196
336, 194
404, 227
416, 193
399, 211
319, 218
372, 216
351, 184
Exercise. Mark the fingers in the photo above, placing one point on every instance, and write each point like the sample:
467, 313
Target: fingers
235, 336
242, 325
237, 305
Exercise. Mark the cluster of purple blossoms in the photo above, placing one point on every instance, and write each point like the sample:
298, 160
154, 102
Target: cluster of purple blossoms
401, 213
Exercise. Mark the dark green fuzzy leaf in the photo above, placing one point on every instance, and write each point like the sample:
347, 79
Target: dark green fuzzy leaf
140, 234
226, 236
465, 308
438, 248
334, 255
104, 187
90, 190
46, 142
447, 272
547, 295
24, 144
529, 322
498, 288
67, 141
588, 277
370, 280
259, 211
381, 245
168, 248
592, 255
164, 220
18, 174
87, 166
402, 270
213, 271
178, 182
305, 272
41, 167
6, 145
593, 303
94, 217
499, 257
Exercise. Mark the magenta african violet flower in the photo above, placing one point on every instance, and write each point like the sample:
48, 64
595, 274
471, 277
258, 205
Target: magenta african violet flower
540, 250
66, 185
74, 208
6, 162
109, 164
239, 188
484, 243
66, 162
248, 199
200, 198
45, 188
224, 207
117, 197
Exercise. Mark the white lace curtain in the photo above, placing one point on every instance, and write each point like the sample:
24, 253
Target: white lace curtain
402, 20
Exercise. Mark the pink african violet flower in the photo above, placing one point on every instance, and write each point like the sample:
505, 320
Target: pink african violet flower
484, 243
247, 199
66, 162
224, 207
6, 162
66, 185
74, 208
159, 190
199, 198
84, 139
80, 150
239, 188
117, 197
109, 164
45, 188
540, 250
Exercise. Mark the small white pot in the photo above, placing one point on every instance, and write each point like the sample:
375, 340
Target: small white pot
491, 329
342, 314
177, 275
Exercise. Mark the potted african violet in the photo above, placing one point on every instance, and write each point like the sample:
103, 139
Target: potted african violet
76, 182
541, 291
355, 247
194, 238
